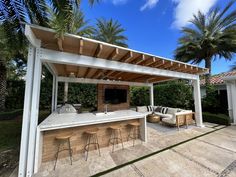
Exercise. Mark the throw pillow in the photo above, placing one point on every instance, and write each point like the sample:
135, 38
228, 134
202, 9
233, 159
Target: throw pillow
158, 109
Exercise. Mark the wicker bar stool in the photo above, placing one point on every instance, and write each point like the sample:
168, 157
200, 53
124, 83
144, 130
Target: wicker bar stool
134, 132
115, 136
92, 139
62, 140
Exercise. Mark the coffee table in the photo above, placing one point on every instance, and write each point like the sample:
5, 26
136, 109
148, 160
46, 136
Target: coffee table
153, 118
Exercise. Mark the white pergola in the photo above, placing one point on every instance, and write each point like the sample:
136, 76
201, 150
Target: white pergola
231, 94
90, 61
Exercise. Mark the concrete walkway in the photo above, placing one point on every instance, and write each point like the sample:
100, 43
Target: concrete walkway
208, 151
210, 155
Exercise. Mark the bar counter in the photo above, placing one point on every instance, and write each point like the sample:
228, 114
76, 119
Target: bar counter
76, 124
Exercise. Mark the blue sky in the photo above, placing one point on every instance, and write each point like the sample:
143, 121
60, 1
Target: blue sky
153, 26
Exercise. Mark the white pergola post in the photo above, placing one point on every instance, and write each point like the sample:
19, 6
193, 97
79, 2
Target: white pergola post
197, 102
229, 97
56, 93
152, 95
34, 112
66, 92
53, 93
231, 91
26, 112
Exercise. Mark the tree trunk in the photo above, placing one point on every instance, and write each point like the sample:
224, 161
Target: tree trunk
208, 75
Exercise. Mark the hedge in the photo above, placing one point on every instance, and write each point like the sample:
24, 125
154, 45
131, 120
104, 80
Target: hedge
10, 114
221, 119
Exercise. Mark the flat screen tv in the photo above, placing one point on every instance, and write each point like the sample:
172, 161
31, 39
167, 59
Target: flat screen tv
115, 96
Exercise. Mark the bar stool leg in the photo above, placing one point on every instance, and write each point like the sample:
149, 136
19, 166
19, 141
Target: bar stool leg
88, 145
58, 149
121, 139
134, 135
96, 137
70, 151
113, 140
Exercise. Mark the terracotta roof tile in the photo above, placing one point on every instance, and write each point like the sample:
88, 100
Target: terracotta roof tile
218, 78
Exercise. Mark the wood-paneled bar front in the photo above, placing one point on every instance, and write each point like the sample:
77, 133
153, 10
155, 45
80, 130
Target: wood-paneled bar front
78, 138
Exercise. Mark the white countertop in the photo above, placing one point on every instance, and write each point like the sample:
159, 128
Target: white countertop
66, 120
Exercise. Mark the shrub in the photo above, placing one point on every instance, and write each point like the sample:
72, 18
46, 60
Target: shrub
221, 119
210, 103
177, 94
139, 96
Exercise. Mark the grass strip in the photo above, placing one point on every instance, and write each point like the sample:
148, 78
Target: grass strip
151, 154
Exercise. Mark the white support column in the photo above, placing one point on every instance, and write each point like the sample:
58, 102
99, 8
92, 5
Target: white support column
152, 95
233, 98
66, 92
56, 93
197, 102
229, 97
53, 93
26, 113
34, 113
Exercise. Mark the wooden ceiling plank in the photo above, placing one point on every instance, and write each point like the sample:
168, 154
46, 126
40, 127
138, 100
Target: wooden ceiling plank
113, 54
60, 44
142, 59
149, 61
98, 51
81, 46
128, 56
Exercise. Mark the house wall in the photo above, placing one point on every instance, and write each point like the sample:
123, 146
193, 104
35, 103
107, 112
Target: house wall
111, 107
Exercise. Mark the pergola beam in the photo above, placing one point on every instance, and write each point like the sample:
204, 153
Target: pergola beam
86, 61
100, 81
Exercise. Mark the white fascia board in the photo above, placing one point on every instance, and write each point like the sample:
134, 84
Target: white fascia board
98, 81
47, 55
31, 37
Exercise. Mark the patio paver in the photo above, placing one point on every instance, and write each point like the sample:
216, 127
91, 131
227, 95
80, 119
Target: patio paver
195, 158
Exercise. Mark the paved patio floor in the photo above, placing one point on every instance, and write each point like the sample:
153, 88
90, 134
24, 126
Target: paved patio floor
168, 153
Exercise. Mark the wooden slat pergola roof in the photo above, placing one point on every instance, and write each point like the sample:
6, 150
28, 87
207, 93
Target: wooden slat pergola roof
93, 48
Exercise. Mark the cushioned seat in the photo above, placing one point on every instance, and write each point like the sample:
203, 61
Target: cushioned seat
169, 120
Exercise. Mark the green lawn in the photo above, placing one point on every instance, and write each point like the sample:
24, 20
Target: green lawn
10, 134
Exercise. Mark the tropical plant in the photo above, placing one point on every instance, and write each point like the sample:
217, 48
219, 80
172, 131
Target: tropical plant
12, 46
110, 31
75, 24
210, 36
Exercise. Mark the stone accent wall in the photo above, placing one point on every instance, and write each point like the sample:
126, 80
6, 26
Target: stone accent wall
111, 107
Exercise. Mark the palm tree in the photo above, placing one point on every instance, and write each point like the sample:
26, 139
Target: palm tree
76, 24
110, 31
210, 36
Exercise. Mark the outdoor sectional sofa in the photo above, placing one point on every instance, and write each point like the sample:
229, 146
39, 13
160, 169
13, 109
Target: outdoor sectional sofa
171, 116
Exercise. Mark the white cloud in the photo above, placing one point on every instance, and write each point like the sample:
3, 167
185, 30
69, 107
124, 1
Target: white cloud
185, 9
118, 2
149, 4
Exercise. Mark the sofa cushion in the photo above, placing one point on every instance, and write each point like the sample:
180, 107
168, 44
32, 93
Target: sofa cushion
158, 109
142, 109
164, 110
164, 115
169, 120
172, 111
150, 108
